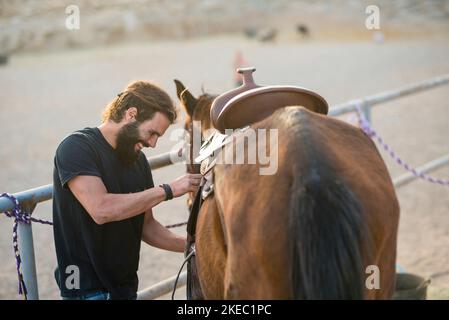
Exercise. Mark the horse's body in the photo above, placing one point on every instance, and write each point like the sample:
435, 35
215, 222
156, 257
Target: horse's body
307, 232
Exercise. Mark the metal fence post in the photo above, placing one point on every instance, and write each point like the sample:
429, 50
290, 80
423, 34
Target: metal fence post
26, 248
366, 109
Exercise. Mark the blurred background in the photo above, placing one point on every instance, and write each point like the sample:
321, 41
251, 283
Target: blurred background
56, 76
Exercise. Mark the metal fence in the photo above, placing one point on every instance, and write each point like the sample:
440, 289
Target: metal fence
30, 198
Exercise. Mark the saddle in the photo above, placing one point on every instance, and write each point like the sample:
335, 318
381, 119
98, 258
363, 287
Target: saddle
247, 104
251, 103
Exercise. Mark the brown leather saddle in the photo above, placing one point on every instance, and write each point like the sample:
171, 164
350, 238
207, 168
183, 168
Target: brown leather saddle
251, 103
236, 109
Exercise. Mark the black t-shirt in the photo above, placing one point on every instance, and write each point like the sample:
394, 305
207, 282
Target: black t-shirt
107, 255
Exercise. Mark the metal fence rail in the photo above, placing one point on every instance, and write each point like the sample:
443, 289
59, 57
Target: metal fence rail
428, 167
29, 198
379, 98
40, 194
163, 287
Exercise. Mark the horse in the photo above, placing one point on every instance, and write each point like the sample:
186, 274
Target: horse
314, 230
197, 110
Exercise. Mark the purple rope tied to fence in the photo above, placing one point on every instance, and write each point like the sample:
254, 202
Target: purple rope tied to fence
366, 127
19, 216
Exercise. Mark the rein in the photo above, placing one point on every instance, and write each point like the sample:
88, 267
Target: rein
191, 254
193, 285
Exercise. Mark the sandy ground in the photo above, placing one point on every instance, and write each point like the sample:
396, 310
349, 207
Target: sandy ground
47, 96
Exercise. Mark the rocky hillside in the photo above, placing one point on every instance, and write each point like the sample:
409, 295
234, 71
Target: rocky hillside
40, 25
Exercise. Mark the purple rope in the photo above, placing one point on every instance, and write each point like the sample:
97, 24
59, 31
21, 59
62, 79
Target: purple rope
366, 127
19, 217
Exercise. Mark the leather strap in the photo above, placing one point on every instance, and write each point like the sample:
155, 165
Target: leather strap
194, 291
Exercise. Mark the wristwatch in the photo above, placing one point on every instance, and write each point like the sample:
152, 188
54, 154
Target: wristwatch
168, 191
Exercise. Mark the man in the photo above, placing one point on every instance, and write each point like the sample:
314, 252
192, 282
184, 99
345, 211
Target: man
104, 194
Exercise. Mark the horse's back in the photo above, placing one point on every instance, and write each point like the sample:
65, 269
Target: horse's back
341, 147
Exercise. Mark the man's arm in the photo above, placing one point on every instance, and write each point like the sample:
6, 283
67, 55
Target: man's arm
106, 207
158, 236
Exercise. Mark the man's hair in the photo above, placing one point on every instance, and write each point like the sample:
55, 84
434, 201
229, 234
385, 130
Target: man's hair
147, 97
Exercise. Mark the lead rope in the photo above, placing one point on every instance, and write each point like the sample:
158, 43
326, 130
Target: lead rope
179, 273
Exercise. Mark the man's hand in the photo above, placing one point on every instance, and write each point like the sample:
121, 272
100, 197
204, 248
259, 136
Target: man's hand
186, 183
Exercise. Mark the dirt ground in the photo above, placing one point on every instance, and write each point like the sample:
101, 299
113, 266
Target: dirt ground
44, 97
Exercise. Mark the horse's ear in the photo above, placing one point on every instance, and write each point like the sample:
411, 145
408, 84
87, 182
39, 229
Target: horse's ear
187, 99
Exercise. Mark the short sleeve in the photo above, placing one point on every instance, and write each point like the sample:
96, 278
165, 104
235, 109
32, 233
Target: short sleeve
75, 157
147, 170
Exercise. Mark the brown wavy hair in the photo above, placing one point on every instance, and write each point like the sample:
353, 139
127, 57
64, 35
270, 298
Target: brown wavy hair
147, 97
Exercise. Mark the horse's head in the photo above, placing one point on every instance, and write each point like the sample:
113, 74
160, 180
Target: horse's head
198, 119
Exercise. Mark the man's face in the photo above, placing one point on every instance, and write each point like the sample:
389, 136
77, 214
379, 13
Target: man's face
134, 136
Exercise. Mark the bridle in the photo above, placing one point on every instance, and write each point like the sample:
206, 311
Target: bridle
194, 208
191, 166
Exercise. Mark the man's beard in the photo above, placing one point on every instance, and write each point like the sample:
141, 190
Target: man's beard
127, 138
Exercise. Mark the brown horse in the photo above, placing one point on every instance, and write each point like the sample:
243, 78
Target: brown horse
311, 230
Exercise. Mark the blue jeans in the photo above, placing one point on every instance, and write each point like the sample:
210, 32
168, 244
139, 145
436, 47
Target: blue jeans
91, 296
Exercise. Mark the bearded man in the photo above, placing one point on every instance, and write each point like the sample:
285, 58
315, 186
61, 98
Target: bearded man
104, 194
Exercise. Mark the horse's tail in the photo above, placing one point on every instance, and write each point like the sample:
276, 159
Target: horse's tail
327, 232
